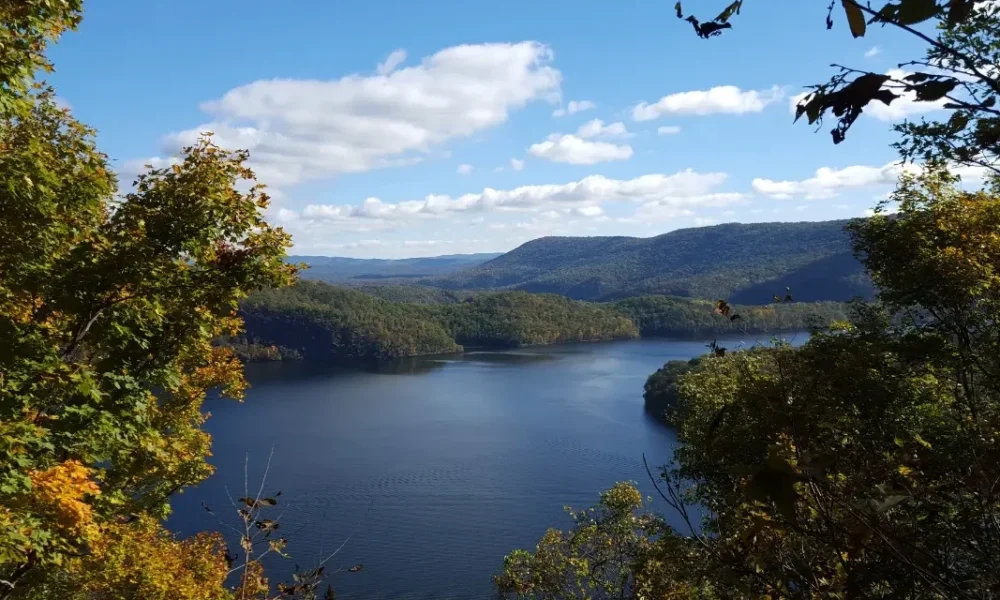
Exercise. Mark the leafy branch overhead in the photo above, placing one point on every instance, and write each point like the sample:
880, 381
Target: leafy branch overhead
957, 72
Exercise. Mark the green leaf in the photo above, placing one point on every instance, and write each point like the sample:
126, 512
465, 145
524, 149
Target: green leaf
855, 18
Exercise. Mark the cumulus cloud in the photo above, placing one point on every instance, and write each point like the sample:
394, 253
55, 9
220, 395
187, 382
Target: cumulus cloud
597, 128
670, 208
727, 99
392, 61
873, 52
517, 164
568, 148
301, 129
668, 130
581, 148
464, 169
573, 107
828, 182
656, 194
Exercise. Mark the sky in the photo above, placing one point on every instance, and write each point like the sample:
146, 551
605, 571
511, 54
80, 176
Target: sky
417, 128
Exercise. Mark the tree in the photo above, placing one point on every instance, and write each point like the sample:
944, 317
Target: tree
957, 72
660, 392
865, 463
108, 308
615, 550
29, 25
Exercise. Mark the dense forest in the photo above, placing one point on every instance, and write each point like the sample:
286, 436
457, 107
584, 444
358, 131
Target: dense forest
330, 322
745, 263
317, 320
510, 319
660, 394
338, 323
673, 316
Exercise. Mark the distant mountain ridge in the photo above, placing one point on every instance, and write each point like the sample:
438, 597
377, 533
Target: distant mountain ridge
340, 269
746, 263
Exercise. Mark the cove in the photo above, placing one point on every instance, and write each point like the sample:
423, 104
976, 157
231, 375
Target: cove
436, 467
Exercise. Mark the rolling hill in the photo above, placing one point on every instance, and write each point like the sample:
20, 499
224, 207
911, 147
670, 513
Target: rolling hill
745, 263
338, 269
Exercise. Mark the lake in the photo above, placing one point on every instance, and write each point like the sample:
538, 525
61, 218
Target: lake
435, 467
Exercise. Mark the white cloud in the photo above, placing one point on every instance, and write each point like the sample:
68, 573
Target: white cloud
704, 222
671, 208
464, 169
722, 99
597, 128
827, 182
668, 130
392, 61
568, 148
517, 164
656, 194
873, 52
573, 107
888, 209
588, 211
299, 130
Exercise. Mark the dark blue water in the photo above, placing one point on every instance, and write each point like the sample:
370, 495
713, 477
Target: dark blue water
435, 468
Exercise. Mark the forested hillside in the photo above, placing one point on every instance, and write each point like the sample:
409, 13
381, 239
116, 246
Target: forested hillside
672, 316
745, 263
510, 319
322, 321
333, 268
335, 323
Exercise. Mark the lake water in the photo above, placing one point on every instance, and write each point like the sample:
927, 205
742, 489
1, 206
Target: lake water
435, 467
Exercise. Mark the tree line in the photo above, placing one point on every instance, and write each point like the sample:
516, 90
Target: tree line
318, 320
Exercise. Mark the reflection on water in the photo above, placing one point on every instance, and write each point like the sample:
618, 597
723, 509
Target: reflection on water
436, 466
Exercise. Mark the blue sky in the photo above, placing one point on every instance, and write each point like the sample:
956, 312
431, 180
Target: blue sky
404, 128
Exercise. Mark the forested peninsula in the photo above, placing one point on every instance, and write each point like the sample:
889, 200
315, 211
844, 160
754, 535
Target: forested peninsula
319, 321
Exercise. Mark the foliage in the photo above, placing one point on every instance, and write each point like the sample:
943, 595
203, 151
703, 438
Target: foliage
320, 321
108, 307
660, 394
512, 319
615, 550
419, 294
342, 324
863, 464
140, 560
744, 262
669, 316
957, 72
29, 25
323, 321
253, 350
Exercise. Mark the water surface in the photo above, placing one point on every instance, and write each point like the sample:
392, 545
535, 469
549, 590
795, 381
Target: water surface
436, 467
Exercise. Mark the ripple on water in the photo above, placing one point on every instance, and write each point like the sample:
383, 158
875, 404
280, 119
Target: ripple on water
436, 475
